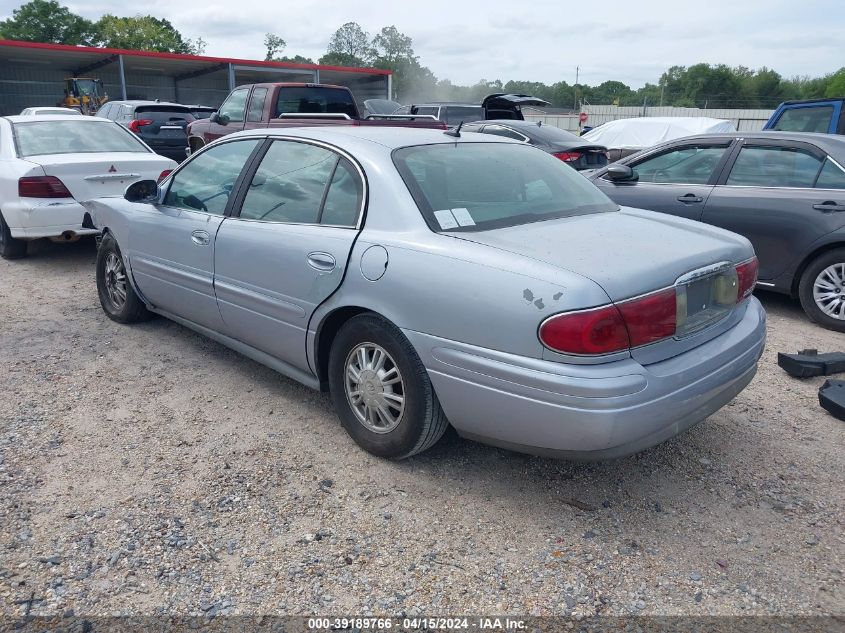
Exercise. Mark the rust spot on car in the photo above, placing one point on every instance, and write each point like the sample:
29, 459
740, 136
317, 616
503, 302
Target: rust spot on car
557, 296
528, 295
539, 303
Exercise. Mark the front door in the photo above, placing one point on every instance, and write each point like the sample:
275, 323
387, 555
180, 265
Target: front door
287, 249
172, 257
782, 196
676, 181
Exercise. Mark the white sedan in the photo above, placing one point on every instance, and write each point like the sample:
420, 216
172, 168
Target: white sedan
48, 164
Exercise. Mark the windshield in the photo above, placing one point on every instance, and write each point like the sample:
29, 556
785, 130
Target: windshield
73, 137
87, 87
479, 186
314, 100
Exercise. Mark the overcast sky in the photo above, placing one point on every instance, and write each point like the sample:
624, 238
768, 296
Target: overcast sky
540, 40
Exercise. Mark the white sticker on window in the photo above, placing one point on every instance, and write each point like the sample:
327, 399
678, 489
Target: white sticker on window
463, 217
445, 219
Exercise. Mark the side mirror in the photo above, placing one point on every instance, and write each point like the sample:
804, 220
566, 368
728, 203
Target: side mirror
219, 119
142, 191
621, 173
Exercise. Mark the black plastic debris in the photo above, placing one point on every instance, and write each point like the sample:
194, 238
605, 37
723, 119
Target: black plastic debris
832, 397
809, 362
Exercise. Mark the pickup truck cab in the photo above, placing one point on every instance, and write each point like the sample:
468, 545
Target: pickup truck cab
269, 105
826, 116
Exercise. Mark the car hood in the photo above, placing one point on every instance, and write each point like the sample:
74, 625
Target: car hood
627, 252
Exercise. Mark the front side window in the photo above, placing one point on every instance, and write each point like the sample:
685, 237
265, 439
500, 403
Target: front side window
233, 108
807, 119
290, 184
73, 137
478, 186
256, 105
831, 176
207, 180
688, 165
758, 166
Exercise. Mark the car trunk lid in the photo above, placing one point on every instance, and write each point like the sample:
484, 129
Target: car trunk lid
103, 174
631, 253
585, 156
508, 106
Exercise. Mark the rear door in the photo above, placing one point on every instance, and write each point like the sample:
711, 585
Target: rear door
782, 196
677, 180
287, 249
171, 246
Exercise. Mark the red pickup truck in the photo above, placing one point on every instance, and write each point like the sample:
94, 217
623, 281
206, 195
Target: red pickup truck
291, 105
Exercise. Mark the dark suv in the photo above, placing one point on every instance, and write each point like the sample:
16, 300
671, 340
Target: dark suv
160, 125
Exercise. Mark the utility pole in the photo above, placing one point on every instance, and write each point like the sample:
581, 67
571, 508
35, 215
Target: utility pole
575, 87
662, 88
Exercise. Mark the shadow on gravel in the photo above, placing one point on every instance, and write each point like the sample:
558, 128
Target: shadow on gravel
58, 254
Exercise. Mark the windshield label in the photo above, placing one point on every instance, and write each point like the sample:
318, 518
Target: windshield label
445, 219
463, 217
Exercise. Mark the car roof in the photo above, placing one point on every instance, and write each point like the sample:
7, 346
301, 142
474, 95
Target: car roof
817, 138
389, 137
445, 103
30, 118
137, 102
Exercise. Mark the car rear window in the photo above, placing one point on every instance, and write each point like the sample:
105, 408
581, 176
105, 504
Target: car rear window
805, 119
459, 114
311, 100
163, 113
73, 137
479, 186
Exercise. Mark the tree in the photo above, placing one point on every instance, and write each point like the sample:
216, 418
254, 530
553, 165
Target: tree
836, 85
349, 46
46, 21
143, 32
393, 48
275, 45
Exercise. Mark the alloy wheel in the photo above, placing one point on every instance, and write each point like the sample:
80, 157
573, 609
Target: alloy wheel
115, 279
374, 387
829, 291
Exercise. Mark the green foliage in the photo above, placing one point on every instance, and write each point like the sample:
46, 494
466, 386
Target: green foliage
274, 45
47, 21
142, 32
836, 85
351, 43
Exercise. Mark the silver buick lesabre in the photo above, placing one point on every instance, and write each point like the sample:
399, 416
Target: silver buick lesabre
428, 278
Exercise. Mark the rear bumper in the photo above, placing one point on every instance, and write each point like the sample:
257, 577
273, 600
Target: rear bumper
589, 411
31, 219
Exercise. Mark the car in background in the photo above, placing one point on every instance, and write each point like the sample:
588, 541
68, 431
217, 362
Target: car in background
783, 191
561, 144
811, 115
50, 163
425, 278
493, 107
381, 106
201, 111
162, 126
35, 111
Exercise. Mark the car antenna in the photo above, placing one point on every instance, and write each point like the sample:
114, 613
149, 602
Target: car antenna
456, 133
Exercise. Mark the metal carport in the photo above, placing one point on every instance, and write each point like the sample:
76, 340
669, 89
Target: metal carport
33, 74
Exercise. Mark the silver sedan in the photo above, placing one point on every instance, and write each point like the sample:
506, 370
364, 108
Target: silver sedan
428, 279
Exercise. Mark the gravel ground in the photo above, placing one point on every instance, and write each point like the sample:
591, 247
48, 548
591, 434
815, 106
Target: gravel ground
148, 470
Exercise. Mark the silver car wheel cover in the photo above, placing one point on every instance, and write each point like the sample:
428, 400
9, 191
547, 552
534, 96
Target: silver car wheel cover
829, 291
115, 280
374, 388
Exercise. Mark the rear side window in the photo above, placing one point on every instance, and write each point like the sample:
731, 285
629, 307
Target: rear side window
290, 184
343, 201
687, 165
831, 176
758, 166
206, 182
808, 119
72, 137
305, 100
477, 186
234, 106
256, 105
498, 130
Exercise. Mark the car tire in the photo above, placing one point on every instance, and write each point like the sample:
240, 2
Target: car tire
826, 272
117, 297
385, 363
10, 247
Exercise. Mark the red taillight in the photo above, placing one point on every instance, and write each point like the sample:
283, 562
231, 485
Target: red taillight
613, 328
650, 318
568, 157
42, 187
596, 331
746, 274
135, 125
164, 174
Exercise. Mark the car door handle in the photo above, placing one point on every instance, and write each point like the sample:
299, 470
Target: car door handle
690, 197
828, 206
323, 262
200, 237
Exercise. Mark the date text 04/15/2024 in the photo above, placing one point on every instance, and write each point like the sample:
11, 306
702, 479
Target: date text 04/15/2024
397, 625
